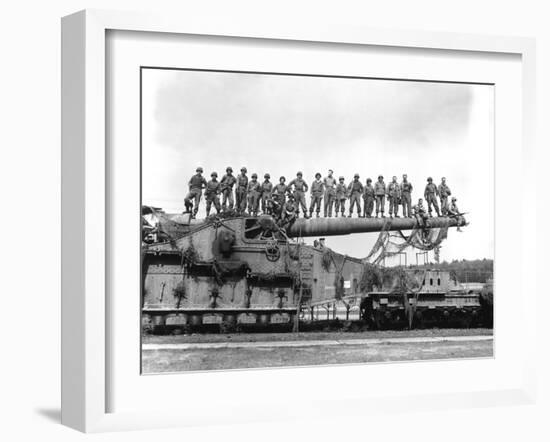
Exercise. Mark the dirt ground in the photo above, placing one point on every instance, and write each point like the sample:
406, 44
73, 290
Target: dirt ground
263, 337
161, 353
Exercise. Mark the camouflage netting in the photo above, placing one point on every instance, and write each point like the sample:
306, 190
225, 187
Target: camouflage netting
337, 260
390, 279
390, 244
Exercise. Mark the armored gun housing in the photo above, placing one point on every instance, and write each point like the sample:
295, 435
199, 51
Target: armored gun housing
246, 270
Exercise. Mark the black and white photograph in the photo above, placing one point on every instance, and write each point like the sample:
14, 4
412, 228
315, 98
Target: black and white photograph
302, 220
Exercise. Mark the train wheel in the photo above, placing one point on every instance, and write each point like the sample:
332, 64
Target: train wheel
418, 321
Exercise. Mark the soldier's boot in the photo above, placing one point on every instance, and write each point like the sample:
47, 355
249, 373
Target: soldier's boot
317, 214
350, 214
382, 214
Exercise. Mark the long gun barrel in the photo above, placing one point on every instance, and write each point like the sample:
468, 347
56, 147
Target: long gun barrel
346, 226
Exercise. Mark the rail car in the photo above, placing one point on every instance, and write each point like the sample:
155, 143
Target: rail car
240, 271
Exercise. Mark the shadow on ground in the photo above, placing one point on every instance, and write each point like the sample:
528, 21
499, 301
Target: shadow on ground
51, 414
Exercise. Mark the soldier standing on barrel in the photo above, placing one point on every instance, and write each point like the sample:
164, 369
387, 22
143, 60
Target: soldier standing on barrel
300, 189
380, 195
444, 193
341, 195
394, 197
330, 183
240, 192
211, 193
267, 190
280, 190
355, 190
254, 191
226, 185
317, 189
406, 189
431, 193
368, 199
193, 197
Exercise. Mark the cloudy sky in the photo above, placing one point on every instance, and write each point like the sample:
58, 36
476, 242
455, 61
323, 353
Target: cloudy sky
281, 124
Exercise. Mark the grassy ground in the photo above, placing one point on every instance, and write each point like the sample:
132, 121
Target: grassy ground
176, 360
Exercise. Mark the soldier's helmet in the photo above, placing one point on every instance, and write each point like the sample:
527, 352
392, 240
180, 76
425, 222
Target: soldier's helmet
199, 169
267, 176
254, 175
214, 174
317, 175
341, 178
356, 175
299, 174
380, 177
290, 197
282, 178
453, 198
243, 169
369, 180
430, 179
229, 169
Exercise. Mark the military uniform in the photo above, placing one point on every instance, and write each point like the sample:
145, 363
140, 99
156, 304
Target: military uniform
406, 189
317, 190
267, 190
211, 193
254, 191
274, 208
444, 193
240, 193
380, 196
454, 212
193, 197
355, 190
368, 199
279, 192
289, 214
394, 197
330, 194
420, 214
226, 184
430, 194
300, 189
340, 199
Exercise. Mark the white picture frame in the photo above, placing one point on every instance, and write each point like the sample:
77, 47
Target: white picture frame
85, 350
